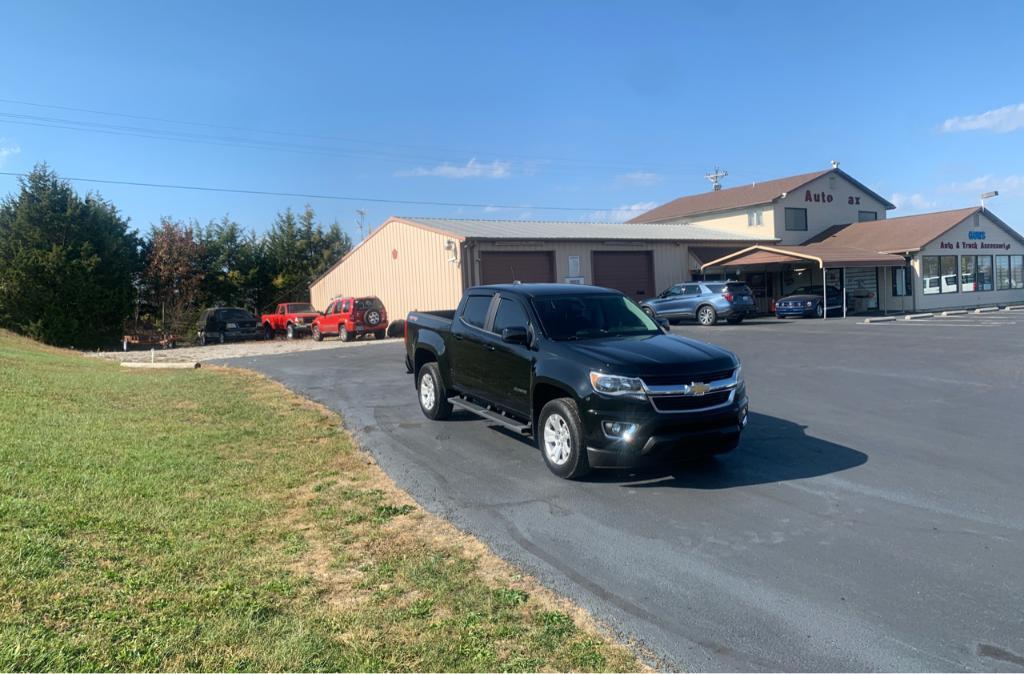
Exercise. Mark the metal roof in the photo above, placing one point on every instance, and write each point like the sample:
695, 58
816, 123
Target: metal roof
568, 230
824, 254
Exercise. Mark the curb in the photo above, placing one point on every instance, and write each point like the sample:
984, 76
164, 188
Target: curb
880, 319
1014, 307
162, 366
958, 312
985, 310
913, 316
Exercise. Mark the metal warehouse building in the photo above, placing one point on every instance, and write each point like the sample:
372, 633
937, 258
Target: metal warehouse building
426, 263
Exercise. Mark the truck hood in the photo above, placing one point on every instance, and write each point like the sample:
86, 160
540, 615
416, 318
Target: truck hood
656, 354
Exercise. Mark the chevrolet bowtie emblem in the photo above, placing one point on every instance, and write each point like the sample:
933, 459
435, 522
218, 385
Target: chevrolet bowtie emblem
698, 388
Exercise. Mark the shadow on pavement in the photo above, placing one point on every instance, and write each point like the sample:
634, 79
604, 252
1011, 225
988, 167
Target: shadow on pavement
772, 450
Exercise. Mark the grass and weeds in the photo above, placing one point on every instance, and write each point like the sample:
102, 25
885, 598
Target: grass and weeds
210, 520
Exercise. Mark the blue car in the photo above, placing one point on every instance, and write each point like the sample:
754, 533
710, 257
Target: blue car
704, 301
806, 302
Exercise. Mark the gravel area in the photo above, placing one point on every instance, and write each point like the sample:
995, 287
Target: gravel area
234, 350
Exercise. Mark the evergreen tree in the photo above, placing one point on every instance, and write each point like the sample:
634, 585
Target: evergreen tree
68, 264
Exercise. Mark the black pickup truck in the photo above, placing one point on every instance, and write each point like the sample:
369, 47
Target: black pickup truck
584, 370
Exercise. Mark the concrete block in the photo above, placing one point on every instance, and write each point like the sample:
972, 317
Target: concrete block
957, 312
880, 319
913, 316
985, 310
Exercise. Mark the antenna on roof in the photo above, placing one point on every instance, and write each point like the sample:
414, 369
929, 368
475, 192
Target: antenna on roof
988, 195
715, 178
835, 164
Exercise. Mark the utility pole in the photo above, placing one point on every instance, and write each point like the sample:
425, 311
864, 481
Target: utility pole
360, 215
715, 177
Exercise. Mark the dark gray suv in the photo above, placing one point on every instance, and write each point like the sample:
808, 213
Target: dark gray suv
704, 301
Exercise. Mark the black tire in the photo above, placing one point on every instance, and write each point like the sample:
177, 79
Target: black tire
734, 321
568, 461
380, 334
289, 331
649, 311
674, 321
317, 337
220, 337
396, 328
344, 335
819, 311
431, 393
268, 332
706, 315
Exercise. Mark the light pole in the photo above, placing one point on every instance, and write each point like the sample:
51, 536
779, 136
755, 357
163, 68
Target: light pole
988, 195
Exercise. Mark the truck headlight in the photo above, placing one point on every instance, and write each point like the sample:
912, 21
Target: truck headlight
614, 385
810, 303
739, 374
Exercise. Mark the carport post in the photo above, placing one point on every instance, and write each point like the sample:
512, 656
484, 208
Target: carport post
843, 272
824, 291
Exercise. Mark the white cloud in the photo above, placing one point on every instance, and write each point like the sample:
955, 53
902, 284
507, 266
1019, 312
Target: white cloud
638, 179
1001, 120
472, 169
1011, 184
913, 202
7, 150
623, 213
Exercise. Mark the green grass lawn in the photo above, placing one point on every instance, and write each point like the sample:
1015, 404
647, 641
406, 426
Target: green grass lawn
183, 520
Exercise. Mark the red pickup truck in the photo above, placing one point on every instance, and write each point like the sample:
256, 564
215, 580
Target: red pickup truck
292, 318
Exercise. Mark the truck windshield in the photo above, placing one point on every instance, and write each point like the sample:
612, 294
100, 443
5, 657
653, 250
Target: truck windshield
301, 309
565, 317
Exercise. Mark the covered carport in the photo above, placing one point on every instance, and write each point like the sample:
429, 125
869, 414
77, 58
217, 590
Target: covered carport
822, 256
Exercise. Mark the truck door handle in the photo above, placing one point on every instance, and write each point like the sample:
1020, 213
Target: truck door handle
490, 347
457, 336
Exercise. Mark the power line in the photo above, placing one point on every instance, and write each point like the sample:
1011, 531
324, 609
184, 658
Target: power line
332, 197
320, 150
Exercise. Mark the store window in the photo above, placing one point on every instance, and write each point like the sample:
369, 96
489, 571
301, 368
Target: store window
867, 216
1017, 271
901, 281
796, 219
984, 272
754, 218
1002, 272
938, 274
968, 273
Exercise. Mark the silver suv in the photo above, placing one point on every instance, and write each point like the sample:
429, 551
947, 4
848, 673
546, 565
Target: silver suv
705, 301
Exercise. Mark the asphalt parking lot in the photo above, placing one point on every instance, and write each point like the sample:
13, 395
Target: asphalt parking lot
872, 518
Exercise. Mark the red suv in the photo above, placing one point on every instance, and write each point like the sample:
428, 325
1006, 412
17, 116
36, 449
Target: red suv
350, 317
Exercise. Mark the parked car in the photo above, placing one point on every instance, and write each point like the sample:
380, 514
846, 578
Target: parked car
705, 301
349, 317
294, 319
806, 301
583, 370
223, 324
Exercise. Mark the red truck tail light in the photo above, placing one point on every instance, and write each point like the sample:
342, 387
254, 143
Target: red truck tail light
727, 296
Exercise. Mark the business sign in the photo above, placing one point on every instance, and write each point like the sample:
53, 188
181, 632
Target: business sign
976, 241
826, 198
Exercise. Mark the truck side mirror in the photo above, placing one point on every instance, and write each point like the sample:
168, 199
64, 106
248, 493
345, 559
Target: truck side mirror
515, 335
665, 325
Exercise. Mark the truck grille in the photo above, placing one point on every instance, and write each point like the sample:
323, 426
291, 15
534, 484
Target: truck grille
689, 403
670, 379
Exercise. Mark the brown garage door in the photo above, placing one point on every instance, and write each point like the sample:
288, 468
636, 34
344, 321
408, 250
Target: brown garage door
631, 272
507, 266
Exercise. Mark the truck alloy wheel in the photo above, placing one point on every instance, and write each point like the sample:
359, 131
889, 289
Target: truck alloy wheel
202, 339
316, 334
344, 335
433, 398
373, 317
220, 337
706, 315
268, 332
560, 438
819, 312
290, 331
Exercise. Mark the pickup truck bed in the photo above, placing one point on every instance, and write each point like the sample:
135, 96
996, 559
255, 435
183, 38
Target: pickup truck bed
583, 370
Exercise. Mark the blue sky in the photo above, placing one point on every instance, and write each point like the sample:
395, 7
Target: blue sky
606, 107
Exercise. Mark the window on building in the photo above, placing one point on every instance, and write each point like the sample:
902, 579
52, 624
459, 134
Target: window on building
901, 281
754, 218
475, 312
938, 274
1017, 271
984, 272
796, 219
968, 273
867, 216
510, 314
947, 269
1002, 272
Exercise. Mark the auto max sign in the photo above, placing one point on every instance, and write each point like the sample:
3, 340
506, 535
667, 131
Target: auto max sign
826, 198
976, 241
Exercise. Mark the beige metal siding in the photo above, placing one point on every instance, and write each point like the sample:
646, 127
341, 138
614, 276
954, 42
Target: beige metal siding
407, 267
